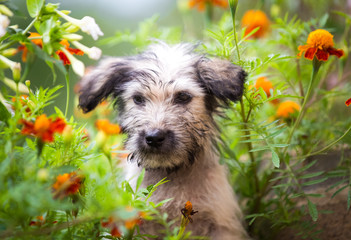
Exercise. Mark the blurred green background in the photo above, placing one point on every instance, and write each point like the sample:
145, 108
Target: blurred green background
121, 15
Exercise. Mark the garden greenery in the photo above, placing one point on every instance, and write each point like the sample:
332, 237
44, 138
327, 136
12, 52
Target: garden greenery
60, 176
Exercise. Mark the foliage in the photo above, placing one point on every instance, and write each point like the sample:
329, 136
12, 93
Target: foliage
74, 187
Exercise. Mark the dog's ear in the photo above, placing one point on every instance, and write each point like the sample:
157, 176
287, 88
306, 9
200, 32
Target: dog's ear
100, 82
221, 79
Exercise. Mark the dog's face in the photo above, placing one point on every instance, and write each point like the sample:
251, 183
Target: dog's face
166, 99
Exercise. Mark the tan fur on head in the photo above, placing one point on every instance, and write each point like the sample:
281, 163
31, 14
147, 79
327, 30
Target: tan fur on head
166, 100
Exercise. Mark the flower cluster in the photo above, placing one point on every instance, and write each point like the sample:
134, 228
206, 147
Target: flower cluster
67, 184
113, 224
43, 128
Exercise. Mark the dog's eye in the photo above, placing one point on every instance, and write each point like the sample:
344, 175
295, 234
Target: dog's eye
182, 98
138, 99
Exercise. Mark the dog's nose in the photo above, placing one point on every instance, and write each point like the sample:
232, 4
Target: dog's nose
155, 137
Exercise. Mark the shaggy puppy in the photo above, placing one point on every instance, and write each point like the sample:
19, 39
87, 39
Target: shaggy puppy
167, 98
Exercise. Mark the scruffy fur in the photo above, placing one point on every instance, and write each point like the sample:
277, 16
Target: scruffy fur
167, 98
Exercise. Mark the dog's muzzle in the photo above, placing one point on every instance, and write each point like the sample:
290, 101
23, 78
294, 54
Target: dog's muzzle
157, 140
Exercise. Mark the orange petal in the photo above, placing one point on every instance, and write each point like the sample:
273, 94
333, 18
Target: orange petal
348, 102
310, 52
322, 55
337, 52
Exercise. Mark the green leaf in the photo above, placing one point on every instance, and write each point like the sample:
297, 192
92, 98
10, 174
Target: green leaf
4, 113
275, 159
140, 179
310, 175
348, 199
313, 182
34, 7
312, 210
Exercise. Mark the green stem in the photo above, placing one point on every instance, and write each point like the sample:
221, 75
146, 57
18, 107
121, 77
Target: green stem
233, 7
67, 92
249, 146
316, 66
30, 25
329, 145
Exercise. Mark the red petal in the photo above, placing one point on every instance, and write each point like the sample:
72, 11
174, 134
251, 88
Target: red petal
348, 102
75, 51
322, 55
58, 125
337, 52
63, 57
309, 54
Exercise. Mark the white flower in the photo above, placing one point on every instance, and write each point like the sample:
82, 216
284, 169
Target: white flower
86, 24
93, 52
77, 66
4, 23
89, 26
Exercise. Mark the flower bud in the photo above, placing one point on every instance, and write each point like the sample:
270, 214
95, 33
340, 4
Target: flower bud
43, 175
16, 72
9, 52
5, 10
67, 134
72, 37
101, 139
27, 82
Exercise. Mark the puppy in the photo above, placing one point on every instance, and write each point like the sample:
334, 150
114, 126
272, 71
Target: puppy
167, 98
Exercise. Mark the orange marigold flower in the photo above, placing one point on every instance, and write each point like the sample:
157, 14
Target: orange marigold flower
44, 128
38, 41
265, 84
201, 4
23, 100
188, 211
287, 108
131, 223
63, 56
320, 44
111, 223
67, 184
348, 102
107, 127
253, 19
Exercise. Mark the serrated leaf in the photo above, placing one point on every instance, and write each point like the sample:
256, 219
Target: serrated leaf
312, 210
275, 159
34, 7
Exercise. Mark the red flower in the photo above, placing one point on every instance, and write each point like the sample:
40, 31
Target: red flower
111, 223
43, 128
63, 56
38, 41
67, 184
320, 44
348, 102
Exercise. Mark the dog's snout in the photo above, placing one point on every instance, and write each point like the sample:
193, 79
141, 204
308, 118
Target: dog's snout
155, 138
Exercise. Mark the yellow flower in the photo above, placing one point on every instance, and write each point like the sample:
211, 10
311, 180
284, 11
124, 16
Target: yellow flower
253, 19
320, 44
287, 108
